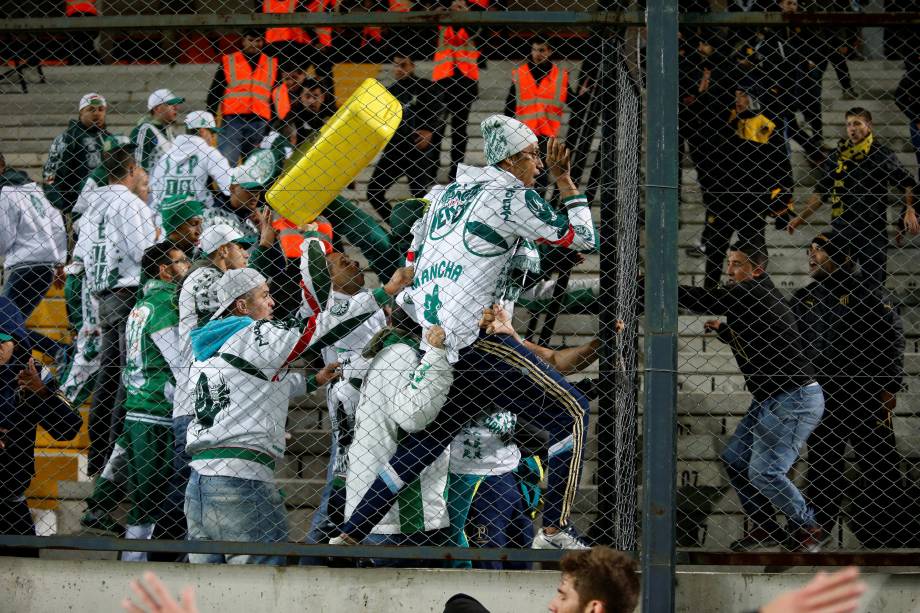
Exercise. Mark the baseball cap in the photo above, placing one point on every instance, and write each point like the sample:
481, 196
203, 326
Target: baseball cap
91, 99
163, 96
837, 247
117, 141
233, 284
256, 172
201, 119
218, 235
4, 337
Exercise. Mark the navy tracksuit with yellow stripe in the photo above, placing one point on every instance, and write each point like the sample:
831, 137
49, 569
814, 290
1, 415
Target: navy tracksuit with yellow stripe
496, 371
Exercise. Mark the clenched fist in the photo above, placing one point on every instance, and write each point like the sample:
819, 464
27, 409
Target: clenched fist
435, 337
400, 280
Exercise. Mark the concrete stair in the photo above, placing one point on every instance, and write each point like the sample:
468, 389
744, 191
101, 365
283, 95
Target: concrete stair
711, 397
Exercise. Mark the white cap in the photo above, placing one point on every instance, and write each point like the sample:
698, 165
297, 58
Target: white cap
233, 284
255, 172
91, 99
201, 119
505, 136
163, 96
217, 236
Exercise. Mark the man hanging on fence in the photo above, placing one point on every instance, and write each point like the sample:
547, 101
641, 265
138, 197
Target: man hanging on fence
854, 339
467, 236
787, 404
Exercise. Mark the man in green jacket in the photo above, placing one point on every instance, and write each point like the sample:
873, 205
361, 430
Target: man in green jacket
75, 153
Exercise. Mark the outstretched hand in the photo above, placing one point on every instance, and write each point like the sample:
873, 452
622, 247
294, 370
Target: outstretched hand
155, 596
839, 592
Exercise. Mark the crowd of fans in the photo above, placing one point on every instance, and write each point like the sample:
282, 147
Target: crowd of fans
199, 313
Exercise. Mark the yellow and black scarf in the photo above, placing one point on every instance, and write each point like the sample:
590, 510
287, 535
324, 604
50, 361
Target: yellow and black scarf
846, 152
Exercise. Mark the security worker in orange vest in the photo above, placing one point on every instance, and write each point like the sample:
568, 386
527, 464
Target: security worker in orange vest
456, 70
288, 44
537, 97
82, 44
288, 92
242, 93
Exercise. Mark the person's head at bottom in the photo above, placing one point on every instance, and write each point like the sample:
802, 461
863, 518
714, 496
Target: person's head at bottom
598, 580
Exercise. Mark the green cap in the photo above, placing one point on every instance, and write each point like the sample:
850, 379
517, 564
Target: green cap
4, 337
178, 209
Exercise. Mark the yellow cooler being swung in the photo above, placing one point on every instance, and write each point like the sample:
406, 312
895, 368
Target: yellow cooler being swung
348, 142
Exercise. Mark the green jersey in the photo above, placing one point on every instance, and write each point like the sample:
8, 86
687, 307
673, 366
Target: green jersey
152, 341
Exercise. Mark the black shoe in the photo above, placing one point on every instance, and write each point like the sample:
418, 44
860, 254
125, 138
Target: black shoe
808, 540
696, 251
757, 538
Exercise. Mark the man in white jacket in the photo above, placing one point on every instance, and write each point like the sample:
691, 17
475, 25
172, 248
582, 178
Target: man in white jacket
191, 163
401, 394
470, 233
116, 230
242, 358
33, 245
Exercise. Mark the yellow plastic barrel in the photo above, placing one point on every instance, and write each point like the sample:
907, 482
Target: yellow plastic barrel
348, 142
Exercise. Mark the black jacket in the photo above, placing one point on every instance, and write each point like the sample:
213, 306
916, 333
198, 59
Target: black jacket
862, 210
852, 335
422, 105
761, 330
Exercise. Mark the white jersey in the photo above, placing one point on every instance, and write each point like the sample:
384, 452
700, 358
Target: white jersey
470, 233
486, 447
115, 232
187, 168
31, 230
400, 395
197, 302
241, 395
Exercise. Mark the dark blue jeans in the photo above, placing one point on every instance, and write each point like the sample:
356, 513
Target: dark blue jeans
26, 286
240, 135
496, 371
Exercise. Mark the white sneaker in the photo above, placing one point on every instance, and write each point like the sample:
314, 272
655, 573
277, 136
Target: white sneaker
563, 539
342, 540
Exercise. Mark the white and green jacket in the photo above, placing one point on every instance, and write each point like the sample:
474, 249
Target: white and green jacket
468, 236
241, 394
400, 395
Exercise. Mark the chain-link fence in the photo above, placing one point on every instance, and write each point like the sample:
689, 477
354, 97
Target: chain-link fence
205, 237
795, 355
209, 236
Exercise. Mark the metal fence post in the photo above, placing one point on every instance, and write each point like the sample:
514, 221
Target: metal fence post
659, 453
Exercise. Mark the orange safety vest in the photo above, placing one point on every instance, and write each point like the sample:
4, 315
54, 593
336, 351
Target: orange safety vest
456, 50
248, 92
540, 105
81, 7
281, 98
323, 34
274, 35
375, 33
